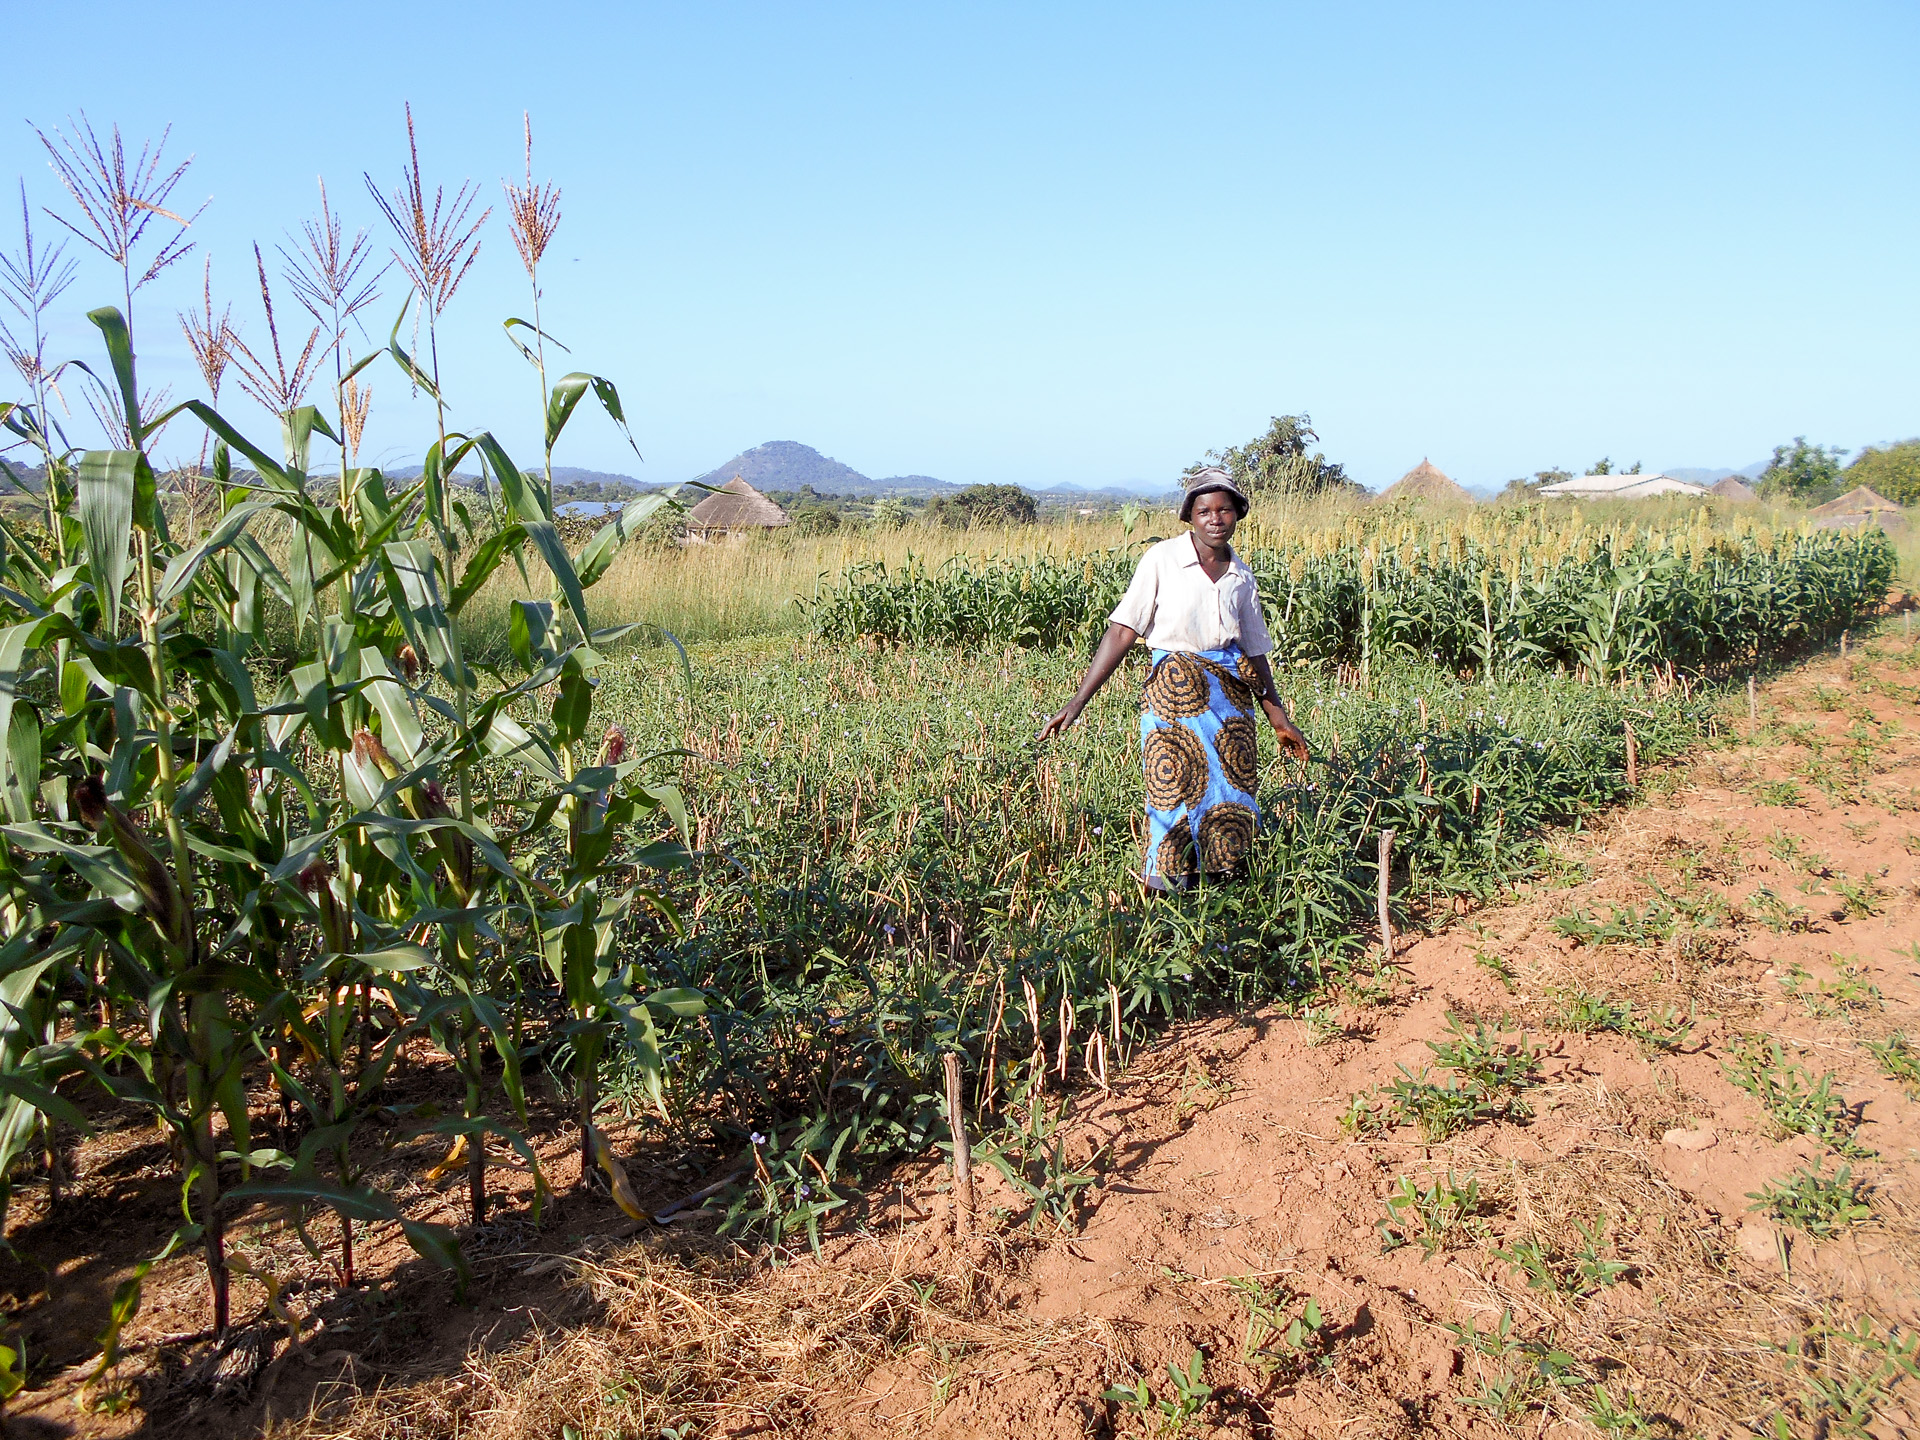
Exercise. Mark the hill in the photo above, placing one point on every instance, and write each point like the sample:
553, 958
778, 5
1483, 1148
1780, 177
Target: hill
789, 465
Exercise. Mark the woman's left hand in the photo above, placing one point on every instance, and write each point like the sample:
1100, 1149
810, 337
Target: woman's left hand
1292, 743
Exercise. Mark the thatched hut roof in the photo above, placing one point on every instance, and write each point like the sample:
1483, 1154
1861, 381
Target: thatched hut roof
1426, 481
736, 505
1857, 501
1733, 488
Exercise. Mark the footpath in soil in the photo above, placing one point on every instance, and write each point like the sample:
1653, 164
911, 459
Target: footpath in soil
1577, 1253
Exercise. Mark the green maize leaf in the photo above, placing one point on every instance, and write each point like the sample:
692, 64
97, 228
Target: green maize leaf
547, 541
514, 321
16, 642
107, 481
297, 430
184, 566
413, 570
508, 739
482, 563
528, 622
270, 469
599, 552
21, 782
113, 327
525, 500
188, 795
680, 1002
47, 1102
431, 1242
415, 375
99, 865
566, 394
399, 723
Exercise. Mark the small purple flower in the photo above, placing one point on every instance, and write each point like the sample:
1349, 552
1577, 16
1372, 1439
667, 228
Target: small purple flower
805, 1192
758, 1138
889, 931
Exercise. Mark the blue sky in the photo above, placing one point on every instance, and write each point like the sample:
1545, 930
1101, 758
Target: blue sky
1080, 243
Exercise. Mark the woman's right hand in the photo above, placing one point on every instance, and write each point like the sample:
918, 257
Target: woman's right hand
1058, 723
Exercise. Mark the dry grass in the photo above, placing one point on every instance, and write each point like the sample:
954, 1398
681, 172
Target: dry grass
718, 1342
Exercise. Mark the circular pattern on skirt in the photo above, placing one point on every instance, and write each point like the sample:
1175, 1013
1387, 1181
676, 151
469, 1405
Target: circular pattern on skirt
1226, 834
1238, 692
1239, 753
1177, 689
1175, 762
1174, 859
1247, 672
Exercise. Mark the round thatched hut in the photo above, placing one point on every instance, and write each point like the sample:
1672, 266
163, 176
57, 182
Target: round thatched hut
736, 508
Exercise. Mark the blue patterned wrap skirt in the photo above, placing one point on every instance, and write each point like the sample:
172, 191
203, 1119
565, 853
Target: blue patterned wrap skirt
1200, 754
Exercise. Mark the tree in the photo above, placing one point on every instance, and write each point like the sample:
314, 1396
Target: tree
889, 513
1803, 472
1604, 466
1277, 462
983, 505
1890, 470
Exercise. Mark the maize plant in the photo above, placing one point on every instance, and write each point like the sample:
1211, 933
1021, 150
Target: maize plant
217, 884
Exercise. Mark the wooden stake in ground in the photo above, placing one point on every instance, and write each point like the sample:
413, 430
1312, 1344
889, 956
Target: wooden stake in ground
962, 1153
1753, 703
1386, 874
1633, 759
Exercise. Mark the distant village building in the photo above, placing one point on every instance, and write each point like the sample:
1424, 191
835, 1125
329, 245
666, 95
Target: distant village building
1856, 509
1426, 481
736, 508
1622, 487
1735, 489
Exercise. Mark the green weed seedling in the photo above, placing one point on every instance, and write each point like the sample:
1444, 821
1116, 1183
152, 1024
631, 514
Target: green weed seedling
1832, 999
1581, 1272
1860, 898
1494, 966
1626, 926
1584, 1013
1323, 1023
1514, 1391
1190, 1395
1482, 1062
1848, 1373
1054, 1190
1782, 793
1784, 846
1362, 1117
1618, 1419
1438, 1111
1781, 916
1276, 1337
1898, 1059
1822, 1205
1797, 1103
1432, 1216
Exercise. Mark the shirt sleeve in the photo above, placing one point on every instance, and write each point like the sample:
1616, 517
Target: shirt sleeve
1254, 639
1136, 607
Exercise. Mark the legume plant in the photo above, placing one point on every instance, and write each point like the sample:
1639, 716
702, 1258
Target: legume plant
1487, 596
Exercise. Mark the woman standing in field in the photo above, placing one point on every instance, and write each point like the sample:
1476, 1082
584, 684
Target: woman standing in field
1197, 606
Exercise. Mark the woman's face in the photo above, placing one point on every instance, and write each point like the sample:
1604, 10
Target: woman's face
1214, 516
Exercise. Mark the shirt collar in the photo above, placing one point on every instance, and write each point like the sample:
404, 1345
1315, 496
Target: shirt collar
1190, 553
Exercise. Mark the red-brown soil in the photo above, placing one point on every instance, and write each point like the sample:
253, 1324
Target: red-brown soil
1223, 1172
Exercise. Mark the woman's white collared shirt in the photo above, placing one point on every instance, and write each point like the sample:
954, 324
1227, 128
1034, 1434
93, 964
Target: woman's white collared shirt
1172, 605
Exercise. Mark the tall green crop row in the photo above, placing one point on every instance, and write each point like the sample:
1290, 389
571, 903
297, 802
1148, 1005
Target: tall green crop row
218, 872
1489, 598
